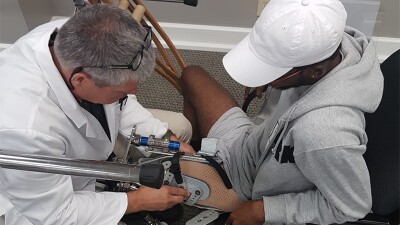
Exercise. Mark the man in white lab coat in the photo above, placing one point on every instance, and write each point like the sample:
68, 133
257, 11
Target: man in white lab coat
67, 88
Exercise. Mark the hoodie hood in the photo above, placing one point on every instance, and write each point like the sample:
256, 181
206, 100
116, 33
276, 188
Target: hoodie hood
363, 80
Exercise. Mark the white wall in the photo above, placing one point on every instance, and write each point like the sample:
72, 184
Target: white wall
212, 25
12, 21
225, 13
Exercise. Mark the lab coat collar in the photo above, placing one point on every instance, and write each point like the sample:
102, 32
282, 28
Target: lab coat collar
66, 99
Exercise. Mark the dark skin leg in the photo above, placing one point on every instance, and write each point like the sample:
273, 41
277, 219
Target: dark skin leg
205, 100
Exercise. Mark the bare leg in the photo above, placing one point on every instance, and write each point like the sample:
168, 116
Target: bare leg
205, 100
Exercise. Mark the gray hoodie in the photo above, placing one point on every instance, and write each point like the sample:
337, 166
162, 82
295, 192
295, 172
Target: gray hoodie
306, 161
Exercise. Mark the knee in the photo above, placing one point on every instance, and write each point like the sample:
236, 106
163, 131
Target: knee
182, 128
193, 79
190, 73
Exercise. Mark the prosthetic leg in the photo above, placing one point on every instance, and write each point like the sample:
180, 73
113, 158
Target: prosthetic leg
202, 174
215, 194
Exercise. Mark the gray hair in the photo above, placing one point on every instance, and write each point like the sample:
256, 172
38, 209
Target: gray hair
104, 35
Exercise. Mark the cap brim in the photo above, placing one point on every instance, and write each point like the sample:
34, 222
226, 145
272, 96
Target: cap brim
247, 69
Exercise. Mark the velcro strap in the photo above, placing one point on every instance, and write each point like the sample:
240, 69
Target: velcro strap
176, 168
220, 171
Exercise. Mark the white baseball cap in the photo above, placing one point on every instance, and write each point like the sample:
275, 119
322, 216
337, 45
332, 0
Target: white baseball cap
288, 33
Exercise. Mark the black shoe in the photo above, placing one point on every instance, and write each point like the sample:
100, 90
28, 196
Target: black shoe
221, 219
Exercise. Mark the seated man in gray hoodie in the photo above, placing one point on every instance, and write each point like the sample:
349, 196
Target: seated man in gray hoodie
304, 163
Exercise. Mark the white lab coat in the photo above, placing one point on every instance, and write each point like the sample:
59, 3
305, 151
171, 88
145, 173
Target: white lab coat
39, 115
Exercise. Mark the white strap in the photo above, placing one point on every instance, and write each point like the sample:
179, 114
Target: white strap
204, 218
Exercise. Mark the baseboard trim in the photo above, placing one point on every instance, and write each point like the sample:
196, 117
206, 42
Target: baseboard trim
204, 37
222, 39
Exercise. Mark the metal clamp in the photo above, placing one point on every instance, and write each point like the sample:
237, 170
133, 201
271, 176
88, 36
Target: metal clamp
163, 144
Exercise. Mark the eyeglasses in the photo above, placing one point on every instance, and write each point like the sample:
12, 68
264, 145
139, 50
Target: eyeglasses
133, 65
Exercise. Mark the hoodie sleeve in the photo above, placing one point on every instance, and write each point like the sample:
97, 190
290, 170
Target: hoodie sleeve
329, 153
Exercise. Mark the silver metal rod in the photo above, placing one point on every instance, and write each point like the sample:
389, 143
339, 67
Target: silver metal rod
87, 168
196, 158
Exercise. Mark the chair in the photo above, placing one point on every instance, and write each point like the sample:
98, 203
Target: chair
382, 155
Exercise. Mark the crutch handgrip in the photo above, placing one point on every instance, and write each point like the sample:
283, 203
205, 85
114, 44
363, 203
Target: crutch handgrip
123, 4
138, 13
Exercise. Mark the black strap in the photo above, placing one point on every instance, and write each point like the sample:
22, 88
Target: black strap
97, 110
220, 171
79, 4
122, 101
176, 168
52, 38
250, 98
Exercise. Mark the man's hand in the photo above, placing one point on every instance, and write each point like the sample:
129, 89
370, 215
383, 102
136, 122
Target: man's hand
151, 199
249, 213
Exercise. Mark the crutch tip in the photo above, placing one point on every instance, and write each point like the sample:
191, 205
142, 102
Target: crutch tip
190, 2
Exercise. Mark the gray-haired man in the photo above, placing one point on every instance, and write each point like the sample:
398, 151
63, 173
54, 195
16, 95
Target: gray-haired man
65, 87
